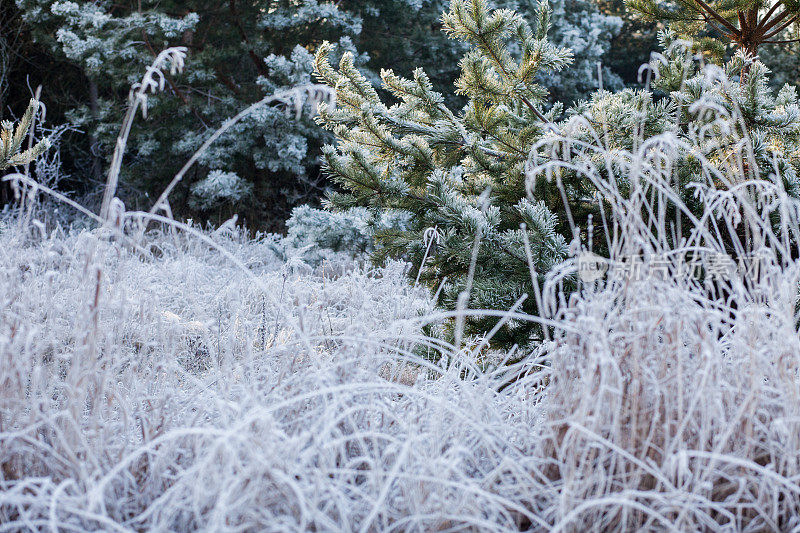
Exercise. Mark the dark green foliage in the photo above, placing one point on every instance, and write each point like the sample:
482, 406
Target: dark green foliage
632, 46
238, 52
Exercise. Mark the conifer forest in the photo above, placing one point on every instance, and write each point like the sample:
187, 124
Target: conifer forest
400, 265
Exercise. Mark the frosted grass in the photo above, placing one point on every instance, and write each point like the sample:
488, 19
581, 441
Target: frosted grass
182, 379
172, 389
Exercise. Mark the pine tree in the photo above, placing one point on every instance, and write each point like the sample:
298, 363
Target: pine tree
784, 62
631, 46
463, 178
727, 116
460, 175
239, 52
741, 110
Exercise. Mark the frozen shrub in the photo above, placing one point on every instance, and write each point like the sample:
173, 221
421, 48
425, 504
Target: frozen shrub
317, 234
219, 188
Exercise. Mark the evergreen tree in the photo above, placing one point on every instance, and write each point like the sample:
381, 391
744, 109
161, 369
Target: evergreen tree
729, 116
784, 62
733, 111
402, 35
460, 175
631, 47
477, 215
239, 52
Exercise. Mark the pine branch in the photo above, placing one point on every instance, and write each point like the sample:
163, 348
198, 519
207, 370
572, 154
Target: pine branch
782, 27
719, 18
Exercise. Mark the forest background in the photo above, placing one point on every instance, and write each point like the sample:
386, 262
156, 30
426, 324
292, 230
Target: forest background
87, 54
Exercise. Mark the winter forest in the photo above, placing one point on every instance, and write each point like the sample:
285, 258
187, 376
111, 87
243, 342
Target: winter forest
399, 265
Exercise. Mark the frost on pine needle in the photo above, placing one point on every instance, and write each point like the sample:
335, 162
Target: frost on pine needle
217, 188
317, 235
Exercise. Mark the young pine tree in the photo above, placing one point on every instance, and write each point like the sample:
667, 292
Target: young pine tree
474, 223
725, 125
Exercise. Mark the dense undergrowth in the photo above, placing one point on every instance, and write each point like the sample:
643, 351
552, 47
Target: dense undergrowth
159, 376
192, 380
